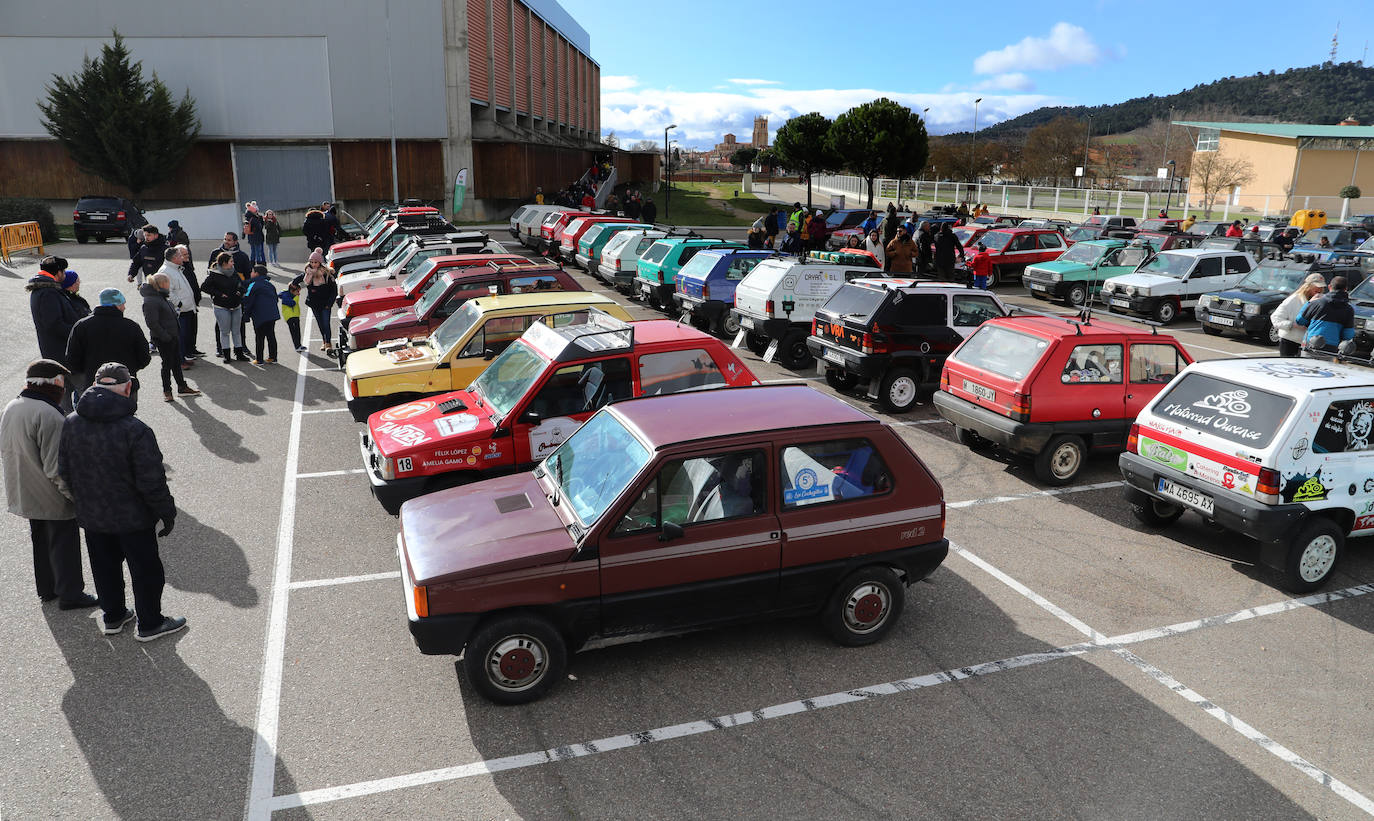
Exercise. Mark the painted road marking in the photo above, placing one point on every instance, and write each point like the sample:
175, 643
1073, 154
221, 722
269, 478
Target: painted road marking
605, 745
325, 410
367, 577
1208, 706
1035, 494
324, 473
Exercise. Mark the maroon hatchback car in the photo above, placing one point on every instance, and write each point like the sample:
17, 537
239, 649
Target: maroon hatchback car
772, 501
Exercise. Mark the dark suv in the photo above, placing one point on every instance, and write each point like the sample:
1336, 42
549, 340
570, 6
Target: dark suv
1247, 305
894, 334
104, 217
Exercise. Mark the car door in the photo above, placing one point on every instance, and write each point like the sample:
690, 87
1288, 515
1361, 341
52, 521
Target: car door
567, 398
698, 543
1090, 389
1150, 366
1051, 246
467, 361
1344, 439
1205, 276
969, 310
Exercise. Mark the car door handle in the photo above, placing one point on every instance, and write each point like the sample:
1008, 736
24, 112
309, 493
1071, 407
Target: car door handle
776, 534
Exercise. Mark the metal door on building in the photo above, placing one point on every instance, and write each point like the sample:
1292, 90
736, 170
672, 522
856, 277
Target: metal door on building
283, 177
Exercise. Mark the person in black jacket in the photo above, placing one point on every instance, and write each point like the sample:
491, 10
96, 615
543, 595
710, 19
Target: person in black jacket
150, 255
111, 462
225, 288
315, 231
320, 291
946, 246
230, 246
333, 230
649, 210
107, 336
53, 313
165, 331
925, 246
134, 240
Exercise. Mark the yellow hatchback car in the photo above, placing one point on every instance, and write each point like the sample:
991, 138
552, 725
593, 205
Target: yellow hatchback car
450, 358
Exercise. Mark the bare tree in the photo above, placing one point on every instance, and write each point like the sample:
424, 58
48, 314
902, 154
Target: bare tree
1214, 174
1054, 149
644, 145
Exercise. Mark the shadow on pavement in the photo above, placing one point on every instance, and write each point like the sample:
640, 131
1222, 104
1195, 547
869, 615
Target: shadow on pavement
157, 741
200, 559
217, 437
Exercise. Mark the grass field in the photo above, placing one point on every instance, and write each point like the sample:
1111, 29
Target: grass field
705, 203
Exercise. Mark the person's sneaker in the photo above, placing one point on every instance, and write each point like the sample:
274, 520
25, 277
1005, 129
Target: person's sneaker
167, 396
257, 361
300, 349
243, 356
82, 602
187, 391
110, 628
228, 359
169, 626
270, 359
196, 352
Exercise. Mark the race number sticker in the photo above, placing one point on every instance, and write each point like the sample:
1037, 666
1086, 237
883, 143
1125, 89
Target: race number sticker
807, 488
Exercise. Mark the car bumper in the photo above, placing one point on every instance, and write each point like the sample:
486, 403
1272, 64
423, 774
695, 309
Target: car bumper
1009, 434
762, 326
1249, 324
1047, 290
582, 261
830, 355
1271, 525
1132, 304
708, 309
392, 493
443, 635
657, 291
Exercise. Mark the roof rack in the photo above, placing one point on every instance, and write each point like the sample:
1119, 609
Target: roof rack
1338, 358
1085, 316
601, 332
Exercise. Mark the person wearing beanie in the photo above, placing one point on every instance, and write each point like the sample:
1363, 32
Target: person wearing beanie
112, 463
176, 235
53, 313
107, 335
30, 441
71, 289
320, 292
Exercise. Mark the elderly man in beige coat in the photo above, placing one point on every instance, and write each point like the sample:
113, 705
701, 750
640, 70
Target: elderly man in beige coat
30, 432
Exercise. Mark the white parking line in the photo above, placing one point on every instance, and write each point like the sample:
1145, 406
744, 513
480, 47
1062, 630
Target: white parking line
313, 368
1034, 494
324, 473
1208, 706
919, 422
367, 577
668, 733
326, 410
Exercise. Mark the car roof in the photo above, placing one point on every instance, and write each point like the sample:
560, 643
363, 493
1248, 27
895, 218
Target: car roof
763, 409
551, 298
1097, 329
1201, 252
1288, 376
512, 268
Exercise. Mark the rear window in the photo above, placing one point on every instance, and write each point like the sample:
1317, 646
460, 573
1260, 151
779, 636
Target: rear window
857, 301
1240, 414
1007, 353
656, 252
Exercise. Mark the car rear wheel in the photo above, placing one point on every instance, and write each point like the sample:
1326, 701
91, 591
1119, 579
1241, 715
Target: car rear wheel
100, 238
840, 380
995, 277
82, 239
1210, 331
1061, 460
1078, 295
1271, 333
515, 659
864, 606
792, 351
1313, 556
899, 389
1166, 311
756, 343
727, 326
1156, 513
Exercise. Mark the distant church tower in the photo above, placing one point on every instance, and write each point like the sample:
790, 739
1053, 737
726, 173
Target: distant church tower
760, 140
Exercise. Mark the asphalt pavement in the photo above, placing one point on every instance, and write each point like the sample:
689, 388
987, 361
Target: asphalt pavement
1065, 662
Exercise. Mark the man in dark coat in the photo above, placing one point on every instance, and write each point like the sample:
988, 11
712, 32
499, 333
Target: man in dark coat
165, 331
649, 210
331, 223
111, 461
53, 313
253, 232
149, 256
107, 335
946, 247
242, 264
925, 245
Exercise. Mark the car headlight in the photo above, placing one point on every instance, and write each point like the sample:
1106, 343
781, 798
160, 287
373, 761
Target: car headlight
1130, 290
1056, 277
1364, 323
1251, 308
1205, 301
1108, 287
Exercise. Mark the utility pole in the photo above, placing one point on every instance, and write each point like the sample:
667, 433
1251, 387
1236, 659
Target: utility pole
973, 145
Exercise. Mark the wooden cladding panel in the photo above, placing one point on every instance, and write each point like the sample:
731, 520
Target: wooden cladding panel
512, 170
362, 169
521, 38
43, 169
501, 36
479, 77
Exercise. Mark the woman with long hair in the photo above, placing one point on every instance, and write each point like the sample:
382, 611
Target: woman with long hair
320, 292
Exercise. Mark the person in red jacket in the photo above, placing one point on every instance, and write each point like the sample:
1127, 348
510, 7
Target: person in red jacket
1235, 230
981, 265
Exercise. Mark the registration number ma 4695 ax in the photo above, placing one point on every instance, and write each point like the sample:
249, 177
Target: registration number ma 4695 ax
1186, 495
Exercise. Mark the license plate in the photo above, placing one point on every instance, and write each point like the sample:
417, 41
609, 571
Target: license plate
980, 391
746, 322
1121, 303
1222, 320
1035, 286
100, 217
1186, 495
834, 356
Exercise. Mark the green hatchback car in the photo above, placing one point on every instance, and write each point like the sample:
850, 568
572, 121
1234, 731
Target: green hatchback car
589, 245
657, 269
1078, 274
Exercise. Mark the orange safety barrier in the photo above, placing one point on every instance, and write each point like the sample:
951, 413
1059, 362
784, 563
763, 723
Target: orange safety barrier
20, 236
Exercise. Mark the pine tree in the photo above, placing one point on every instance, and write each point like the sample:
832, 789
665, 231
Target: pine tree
118, 126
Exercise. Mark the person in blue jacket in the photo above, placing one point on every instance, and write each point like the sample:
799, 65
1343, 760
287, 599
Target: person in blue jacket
260, 307
1329, 319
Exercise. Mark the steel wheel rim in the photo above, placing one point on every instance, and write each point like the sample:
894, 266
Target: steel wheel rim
1166, 312
1317, 558
1065, 461
1273, 335
731, 326
902, 391
517, 663
867, 607
1077, 296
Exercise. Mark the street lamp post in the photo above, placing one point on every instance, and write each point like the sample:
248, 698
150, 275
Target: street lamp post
1169, 198
973, 144
1086, 138
667, 173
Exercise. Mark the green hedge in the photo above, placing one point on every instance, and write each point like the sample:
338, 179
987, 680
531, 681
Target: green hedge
24, 210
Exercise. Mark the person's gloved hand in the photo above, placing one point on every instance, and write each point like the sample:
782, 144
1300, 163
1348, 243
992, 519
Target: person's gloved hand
167, 525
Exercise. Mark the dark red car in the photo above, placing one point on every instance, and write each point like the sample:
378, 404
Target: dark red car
670, 513
1013, 249
413, 286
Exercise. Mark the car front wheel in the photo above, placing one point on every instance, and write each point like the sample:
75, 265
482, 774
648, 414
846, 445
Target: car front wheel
1166, 311
1313, 556
793, 352
1061, 460
864, 606
1078, 295
899, 389
515, 659
727, 326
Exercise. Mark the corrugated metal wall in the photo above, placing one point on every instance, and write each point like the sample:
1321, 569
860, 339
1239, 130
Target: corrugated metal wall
284, 176
479, 77
522, 58
500, 18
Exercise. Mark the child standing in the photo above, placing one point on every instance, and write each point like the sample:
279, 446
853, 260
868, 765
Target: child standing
981, 265
291, 312
260, 305
271, 229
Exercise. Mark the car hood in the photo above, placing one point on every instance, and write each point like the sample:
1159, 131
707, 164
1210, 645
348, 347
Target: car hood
403, 318
1144, 281
436, 433
1062, 267
357, 302
358, 274
1250, 294
371, 363
351, 245
481, 529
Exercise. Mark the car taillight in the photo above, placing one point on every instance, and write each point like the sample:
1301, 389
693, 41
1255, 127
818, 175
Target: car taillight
1020, 406
944, 379
1267, 486
815, 326
421, 601
768, 307
873, 344
353, 387
660, 275
1133, 440
705, 291
76, 215
121, 215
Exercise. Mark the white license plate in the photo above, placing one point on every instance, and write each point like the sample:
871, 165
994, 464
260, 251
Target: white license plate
1222, 320
834, 356
746, 322
980, 391
1186, 495
100, 217
1121, 303
1035, 286
644, 289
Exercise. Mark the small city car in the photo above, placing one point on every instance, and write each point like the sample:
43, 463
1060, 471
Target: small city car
892, 336
655, 280
670, 513
619, 261
1054, 389
706, 287
532, 397
457, 351
405, 258
1247, 306
1279, 450
573, 233
775, 302
531, 220
394, 231
1013, 249
1077, 275
1171, 282
589, 245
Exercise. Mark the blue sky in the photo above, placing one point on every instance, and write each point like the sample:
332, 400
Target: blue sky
710, 66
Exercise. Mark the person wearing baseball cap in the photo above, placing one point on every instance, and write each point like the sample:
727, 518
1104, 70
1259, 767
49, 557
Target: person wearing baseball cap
107, 335
30, 439
112, 463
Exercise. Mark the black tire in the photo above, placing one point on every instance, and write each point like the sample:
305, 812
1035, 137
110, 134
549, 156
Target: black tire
515, 659
792, 351
971, 440
899, 390
1210, 331
82, 239
1165, 312
701, 323
840, 380
100, 238
1271, 334
1077, 296
1061, 460
1312, 558
1156, 513
756, 344
995, 277
864, 607
727, 326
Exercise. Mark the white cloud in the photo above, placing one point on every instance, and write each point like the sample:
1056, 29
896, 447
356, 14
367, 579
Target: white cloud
1066, 45
618, 82
749, 81
1014, 81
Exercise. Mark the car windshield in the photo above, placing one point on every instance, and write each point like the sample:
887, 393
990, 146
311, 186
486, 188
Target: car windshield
854, 301
1271, 278
1314, 237
453, 329
509, 377
1007, 353
593, 467
964, 233
397, 254
418, 275
1364, 292
434, 291
656, 252
995, 240
1085, 254
617, 242
1081, 233
1168, 265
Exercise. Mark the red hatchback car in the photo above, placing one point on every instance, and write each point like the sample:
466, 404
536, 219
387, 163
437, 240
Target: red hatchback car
669, 513
1012, 249
1054, 389
371, 300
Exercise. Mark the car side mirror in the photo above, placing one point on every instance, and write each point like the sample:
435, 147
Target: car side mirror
531, 417
671, 530
488, 354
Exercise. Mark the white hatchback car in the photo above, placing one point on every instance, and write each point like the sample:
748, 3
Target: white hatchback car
1171, 282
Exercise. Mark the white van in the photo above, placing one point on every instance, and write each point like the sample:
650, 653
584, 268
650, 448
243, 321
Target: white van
775, 302
620, 258
1171, 282
532, 219
1279, 450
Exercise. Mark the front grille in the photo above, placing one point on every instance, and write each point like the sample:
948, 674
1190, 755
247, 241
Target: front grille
1032, 275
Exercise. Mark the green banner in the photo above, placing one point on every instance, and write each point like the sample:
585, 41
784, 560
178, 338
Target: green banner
460, 190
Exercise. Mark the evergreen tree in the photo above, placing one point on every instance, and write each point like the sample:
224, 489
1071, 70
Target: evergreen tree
118, 126
880, 138
803, 145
